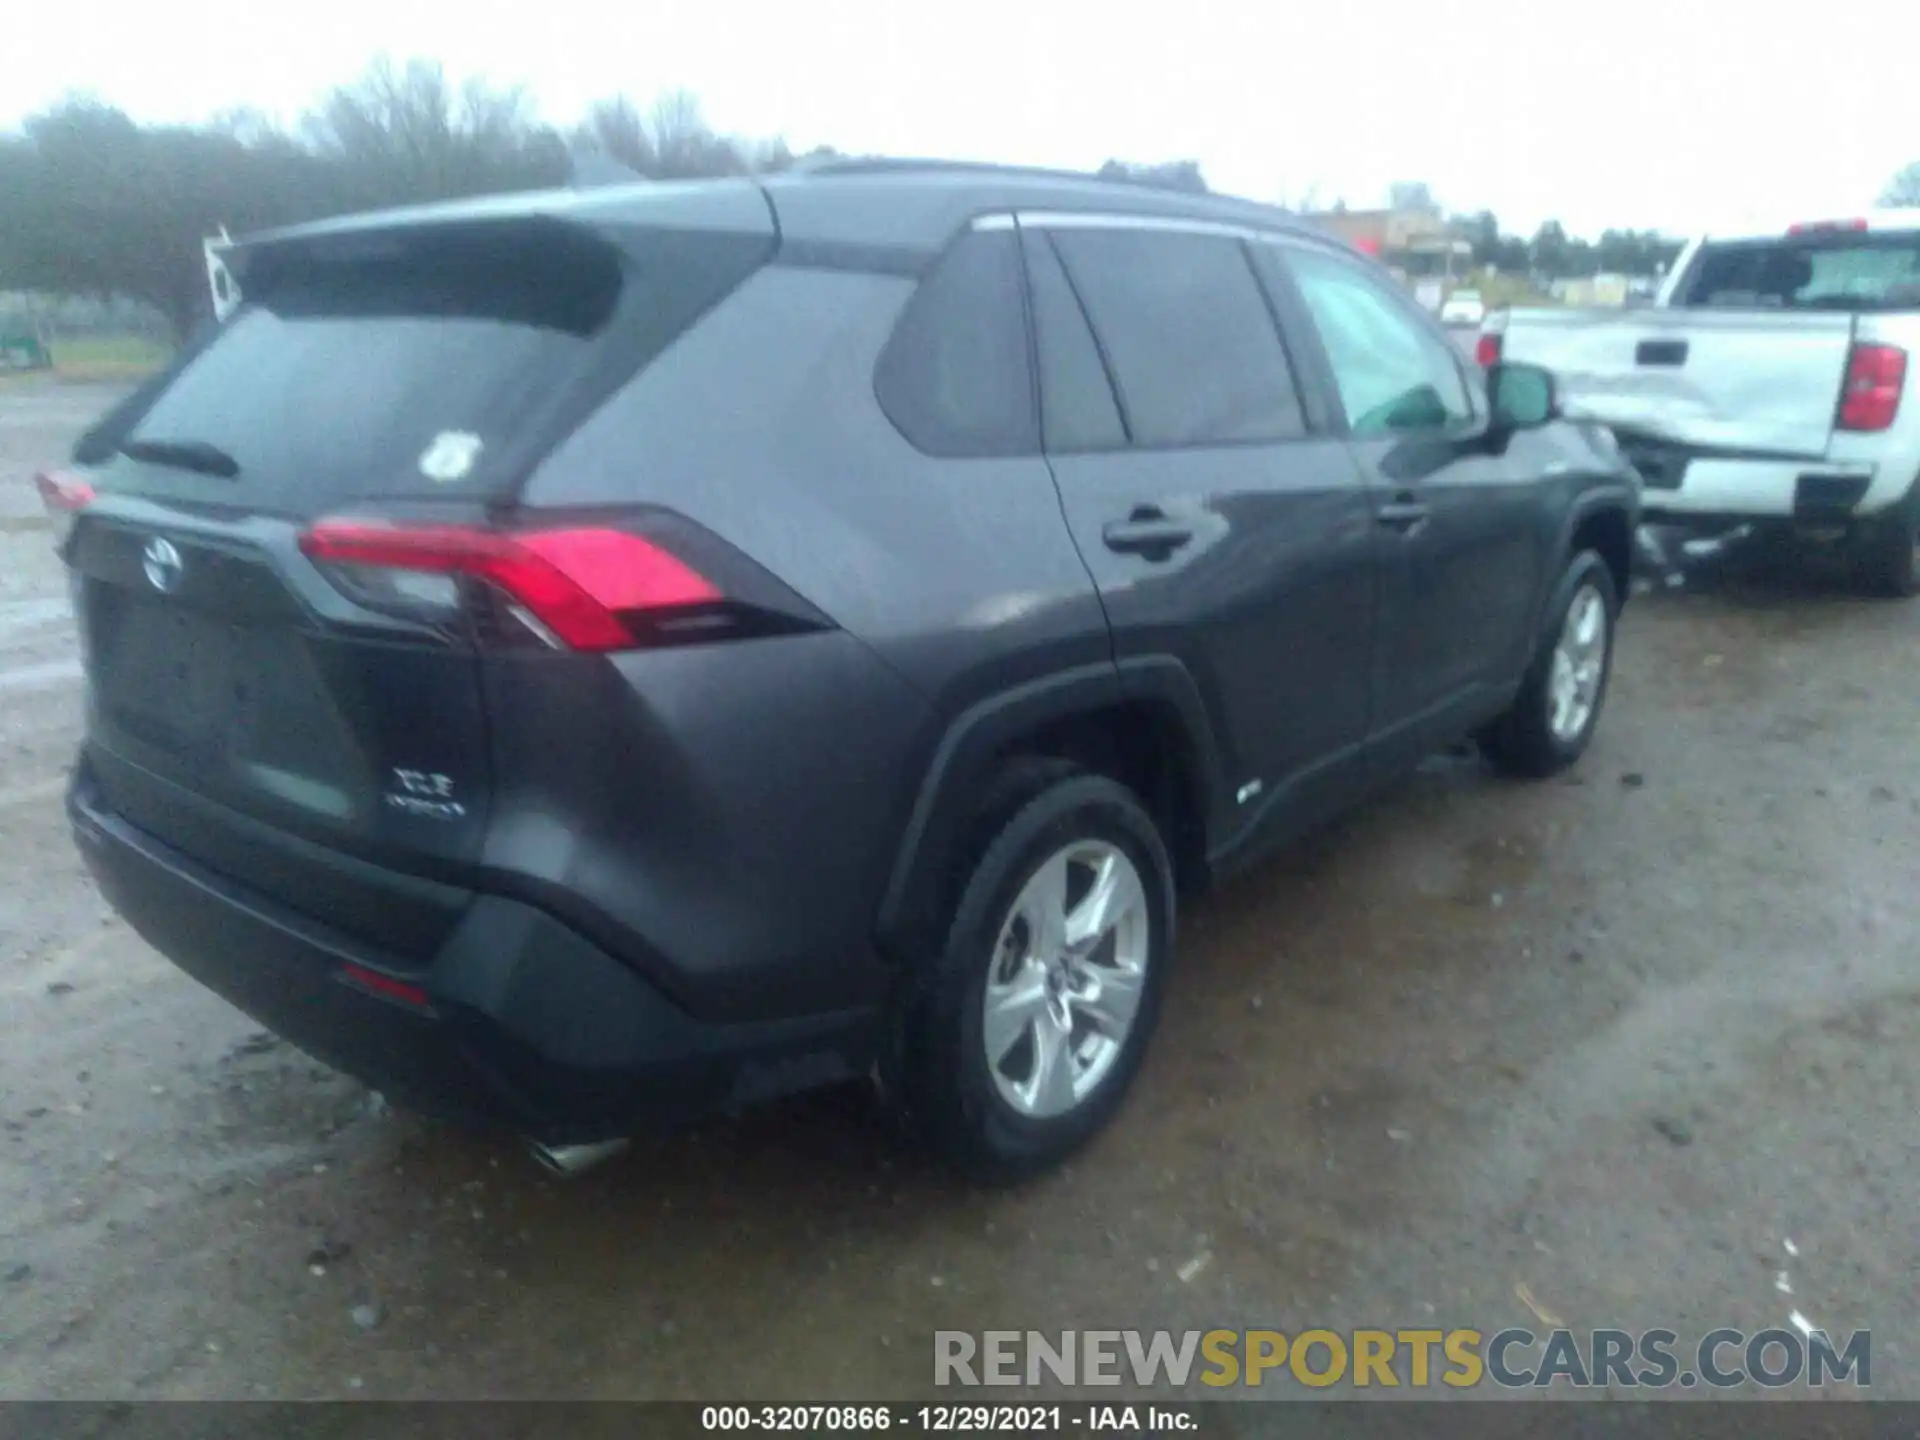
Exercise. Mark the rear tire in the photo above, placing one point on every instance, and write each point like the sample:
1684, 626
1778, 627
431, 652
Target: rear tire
1005, 1092
1552, 719
1887, 560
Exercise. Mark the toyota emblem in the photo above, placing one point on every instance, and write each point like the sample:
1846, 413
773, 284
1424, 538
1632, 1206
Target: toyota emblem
162, 563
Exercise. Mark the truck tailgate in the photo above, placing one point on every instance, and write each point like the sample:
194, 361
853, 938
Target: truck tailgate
1735, 380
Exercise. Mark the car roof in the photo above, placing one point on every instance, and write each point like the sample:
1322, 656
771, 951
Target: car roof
906, 207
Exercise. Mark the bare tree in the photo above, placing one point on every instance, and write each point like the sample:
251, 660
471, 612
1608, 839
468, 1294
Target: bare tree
406, 133
249, 126
686, 145
615, 129
673, 141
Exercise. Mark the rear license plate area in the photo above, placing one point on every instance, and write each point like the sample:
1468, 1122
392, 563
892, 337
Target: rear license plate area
163, 672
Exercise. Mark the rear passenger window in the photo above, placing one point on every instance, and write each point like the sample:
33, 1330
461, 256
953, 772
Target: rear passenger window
955, 376
1077, 408
1186, 330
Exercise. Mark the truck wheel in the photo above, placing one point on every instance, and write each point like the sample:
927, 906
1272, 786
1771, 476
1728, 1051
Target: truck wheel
1887, 562
1553, 717
1021, 1040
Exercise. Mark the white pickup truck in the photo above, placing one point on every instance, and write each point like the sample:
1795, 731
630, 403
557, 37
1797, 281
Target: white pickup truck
1773, 382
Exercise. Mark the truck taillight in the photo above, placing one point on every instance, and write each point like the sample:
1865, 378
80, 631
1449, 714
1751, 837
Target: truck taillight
1821, 227
1876, 376
1486, 350
589, 589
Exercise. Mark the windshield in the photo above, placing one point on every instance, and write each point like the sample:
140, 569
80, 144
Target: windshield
1855, 270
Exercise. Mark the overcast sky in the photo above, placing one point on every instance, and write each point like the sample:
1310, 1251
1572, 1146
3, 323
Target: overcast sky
1681, 115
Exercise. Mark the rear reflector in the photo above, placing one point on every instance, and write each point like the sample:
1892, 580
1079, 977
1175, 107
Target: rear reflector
1486, 350
579, 584
1876, 376
386, 986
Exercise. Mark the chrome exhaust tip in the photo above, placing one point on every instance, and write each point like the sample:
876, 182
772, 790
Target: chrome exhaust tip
571, 1160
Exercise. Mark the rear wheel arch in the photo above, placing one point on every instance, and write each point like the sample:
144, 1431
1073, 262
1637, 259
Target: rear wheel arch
1603, 525
1141, 723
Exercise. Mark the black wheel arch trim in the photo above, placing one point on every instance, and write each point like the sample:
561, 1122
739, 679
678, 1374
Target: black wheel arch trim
1560, 595
985, 729
1591, 502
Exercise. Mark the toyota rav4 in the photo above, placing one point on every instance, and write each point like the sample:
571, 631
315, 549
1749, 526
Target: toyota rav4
582, 660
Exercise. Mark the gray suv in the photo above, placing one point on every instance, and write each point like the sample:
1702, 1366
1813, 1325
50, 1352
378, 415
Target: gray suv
578, 661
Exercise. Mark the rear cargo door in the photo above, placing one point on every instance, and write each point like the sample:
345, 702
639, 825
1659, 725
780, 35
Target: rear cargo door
240, 709
1741, 381
246, 699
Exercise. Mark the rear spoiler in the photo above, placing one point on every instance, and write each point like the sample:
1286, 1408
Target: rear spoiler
588, 169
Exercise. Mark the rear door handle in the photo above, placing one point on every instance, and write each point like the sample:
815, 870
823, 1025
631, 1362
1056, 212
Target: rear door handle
1403, 515
1147, 531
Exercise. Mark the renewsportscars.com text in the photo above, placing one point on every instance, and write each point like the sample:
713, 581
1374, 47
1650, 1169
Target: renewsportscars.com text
1414, 1358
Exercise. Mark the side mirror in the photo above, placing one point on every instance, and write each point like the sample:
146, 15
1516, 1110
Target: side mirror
1523, 397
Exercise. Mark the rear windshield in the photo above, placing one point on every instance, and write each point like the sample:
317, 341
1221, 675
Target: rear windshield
438, 364
1851, 271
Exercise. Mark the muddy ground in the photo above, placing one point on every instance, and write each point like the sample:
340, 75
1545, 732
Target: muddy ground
1596, 1048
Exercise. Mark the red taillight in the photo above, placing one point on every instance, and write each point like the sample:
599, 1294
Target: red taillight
579, 584
1486, 350
63, 492
1817, 227
386, 986
1876, 376
64, 495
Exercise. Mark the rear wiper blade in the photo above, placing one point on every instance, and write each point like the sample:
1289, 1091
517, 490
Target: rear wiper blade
196, 455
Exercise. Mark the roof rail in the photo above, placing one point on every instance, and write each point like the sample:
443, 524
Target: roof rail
891, 165
884, 165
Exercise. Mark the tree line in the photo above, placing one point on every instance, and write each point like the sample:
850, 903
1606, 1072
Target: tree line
95, 204
1553, 254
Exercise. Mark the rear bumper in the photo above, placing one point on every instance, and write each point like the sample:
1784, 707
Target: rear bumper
1714, 488
528, 1026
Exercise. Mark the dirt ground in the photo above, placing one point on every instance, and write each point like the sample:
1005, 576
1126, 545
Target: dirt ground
1597, 1048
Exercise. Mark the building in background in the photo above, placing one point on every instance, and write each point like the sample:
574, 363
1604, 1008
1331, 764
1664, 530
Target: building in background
1610, 292
1416, 243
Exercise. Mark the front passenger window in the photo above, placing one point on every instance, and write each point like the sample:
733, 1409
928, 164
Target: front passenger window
1395, 375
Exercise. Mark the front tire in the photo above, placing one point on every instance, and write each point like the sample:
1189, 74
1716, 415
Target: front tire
1552, 719
1021, 1041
